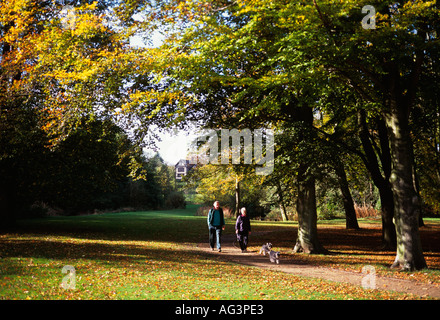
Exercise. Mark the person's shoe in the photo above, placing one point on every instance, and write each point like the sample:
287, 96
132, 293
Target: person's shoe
219, 250
212, 249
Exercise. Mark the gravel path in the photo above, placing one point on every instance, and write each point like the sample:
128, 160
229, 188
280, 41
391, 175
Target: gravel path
233, 254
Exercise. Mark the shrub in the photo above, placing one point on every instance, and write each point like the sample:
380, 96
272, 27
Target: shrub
175, 200
227, 212
365, 211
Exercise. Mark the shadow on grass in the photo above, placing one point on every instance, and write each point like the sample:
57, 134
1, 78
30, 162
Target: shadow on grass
349, 247
120, 254
103, 235
142, 226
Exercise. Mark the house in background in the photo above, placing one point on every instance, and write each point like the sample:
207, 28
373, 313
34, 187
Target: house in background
182, 168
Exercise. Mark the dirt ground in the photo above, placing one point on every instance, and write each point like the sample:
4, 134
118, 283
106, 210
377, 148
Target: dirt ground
306, 268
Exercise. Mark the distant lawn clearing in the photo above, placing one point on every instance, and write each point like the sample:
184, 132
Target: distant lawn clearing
146, 255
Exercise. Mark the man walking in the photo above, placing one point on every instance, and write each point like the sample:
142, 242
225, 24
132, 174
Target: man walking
243, 229
216, 223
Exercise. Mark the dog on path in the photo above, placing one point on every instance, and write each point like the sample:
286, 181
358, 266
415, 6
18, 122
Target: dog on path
274, 256
265, 248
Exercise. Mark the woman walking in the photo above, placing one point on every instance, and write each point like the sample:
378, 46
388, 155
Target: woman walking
243, 229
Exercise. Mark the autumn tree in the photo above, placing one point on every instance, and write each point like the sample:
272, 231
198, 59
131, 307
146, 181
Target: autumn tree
242, 64
425, 124
239, 57
219, 182
385, 67
59, 65
360, 132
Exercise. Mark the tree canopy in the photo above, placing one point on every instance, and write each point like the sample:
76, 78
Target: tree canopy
340, 82
247, 63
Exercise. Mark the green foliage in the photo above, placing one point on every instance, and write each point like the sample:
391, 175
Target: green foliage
65, 144
218, 182
87, 171
241, 64
175, 200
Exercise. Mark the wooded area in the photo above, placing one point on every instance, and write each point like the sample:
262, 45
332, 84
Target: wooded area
348, 104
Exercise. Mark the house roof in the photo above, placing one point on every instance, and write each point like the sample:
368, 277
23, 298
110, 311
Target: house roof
184, 163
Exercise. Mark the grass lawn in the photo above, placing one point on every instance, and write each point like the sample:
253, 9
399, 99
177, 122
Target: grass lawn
152, 255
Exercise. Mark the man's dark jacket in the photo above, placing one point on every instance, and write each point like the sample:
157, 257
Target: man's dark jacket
211, 218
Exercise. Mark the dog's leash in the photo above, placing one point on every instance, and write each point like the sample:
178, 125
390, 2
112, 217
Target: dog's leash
234, 243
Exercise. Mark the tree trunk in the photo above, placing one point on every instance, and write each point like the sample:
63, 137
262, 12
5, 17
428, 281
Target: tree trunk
283, 212
237, 196
281, 203
350, 213
387, 207
380, 179
409, 255
307, 239
417, 187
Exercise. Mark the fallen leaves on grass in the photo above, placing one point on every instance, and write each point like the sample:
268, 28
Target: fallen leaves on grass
351, 250
147, 270
109, 267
